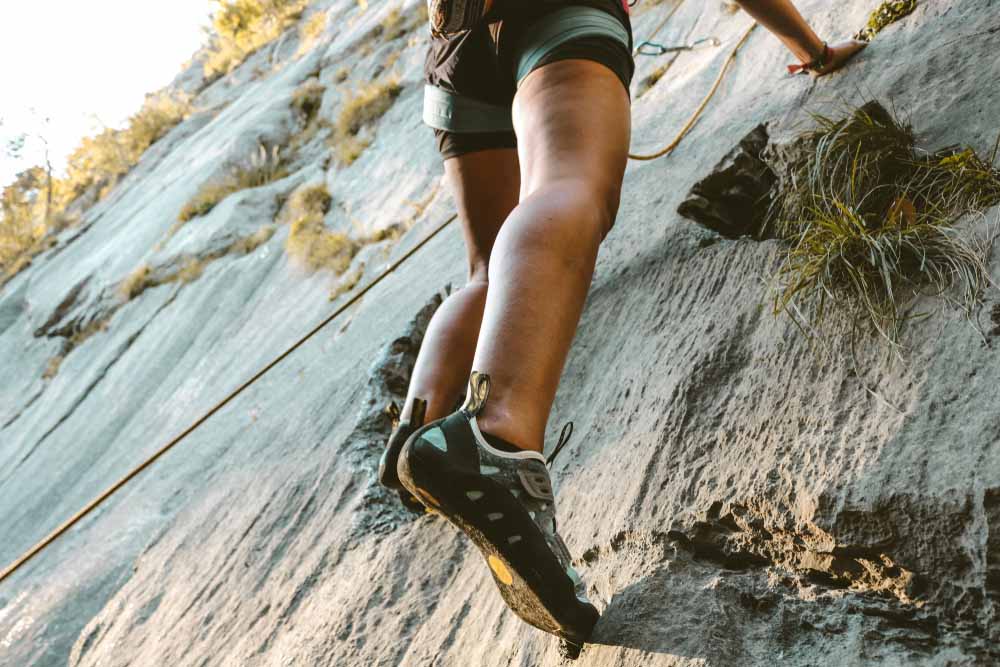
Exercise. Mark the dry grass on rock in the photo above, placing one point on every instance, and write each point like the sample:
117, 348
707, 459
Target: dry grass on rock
311, 30
309, 242
261, 168
190, 269
359, 110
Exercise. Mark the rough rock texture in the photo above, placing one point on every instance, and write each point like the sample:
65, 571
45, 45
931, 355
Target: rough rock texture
734, 496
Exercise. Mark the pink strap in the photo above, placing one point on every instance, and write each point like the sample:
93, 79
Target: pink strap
819, 63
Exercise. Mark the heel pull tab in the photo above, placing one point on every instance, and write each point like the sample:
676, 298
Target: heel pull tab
479, 391
564, 436
393, 411
418, 413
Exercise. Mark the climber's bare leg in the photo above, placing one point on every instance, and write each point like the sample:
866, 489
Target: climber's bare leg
485, 186
572, 122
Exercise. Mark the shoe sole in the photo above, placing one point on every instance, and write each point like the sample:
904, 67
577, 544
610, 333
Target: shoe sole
527, 574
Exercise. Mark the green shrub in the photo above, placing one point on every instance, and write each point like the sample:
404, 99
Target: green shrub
884, 15
870, 220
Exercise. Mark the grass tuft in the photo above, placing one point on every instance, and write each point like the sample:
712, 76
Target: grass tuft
308, 98
870, 220
361, 109
52, 367
309, 242
311, 30
262, 167
346, 283
191, 268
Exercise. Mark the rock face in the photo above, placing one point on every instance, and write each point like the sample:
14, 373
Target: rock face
733, 200
734, 496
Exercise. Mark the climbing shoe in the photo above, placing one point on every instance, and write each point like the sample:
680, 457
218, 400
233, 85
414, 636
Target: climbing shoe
503, 501
402, 430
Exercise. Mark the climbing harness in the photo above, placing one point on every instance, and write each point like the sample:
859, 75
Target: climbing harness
111, 490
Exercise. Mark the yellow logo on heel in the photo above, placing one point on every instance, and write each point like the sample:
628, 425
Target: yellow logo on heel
500, 570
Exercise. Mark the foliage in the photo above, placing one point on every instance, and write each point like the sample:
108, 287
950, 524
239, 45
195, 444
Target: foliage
308, 97
34, 206
261, 168
871, 223
884, 15
362, 108
309, 242
102, 158
22, 223
190, 268
311, 30
240, 27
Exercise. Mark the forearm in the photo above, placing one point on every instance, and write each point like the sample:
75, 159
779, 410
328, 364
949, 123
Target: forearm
784, 20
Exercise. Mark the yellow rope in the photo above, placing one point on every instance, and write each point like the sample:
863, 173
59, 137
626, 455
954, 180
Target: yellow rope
93, 504
701, 107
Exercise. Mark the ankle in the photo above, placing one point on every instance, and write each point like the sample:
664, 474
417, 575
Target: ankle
494, 427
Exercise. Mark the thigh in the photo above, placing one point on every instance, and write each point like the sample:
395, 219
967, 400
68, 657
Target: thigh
572, 119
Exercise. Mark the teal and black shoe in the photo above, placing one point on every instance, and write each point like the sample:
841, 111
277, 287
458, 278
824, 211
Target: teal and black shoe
503, 501
387, 476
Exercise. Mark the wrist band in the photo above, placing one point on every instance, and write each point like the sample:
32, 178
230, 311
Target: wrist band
817, 63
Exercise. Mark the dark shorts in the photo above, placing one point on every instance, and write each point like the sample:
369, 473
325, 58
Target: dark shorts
472, 76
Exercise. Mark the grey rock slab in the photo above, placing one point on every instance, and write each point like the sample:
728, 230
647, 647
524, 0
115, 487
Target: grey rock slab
733, 495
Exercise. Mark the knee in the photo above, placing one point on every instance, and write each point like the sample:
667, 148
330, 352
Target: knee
587, 208
478, 277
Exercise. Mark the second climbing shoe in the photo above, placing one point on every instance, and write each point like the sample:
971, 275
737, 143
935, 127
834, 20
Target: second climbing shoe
387, 475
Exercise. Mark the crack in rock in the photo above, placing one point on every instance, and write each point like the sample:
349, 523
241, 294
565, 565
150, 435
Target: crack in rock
734, 198
119, 353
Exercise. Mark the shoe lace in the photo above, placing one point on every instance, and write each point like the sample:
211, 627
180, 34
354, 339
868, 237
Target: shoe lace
564, 436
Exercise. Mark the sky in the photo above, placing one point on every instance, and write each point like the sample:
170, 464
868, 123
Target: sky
84, 63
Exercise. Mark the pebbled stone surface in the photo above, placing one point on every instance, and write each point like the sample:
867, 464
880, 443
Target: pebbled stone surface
733, 495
